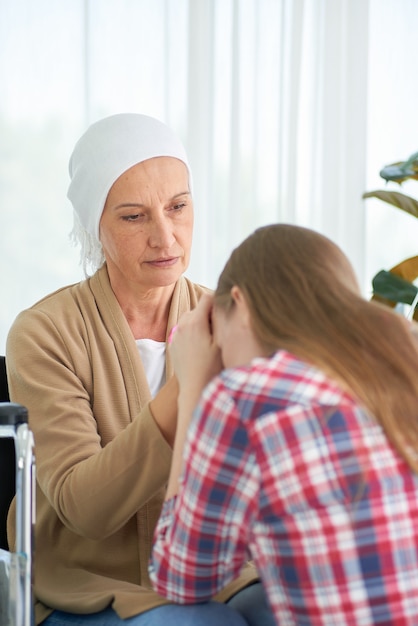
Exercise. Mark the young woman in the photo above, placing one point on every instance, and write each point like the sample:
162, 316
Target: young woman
302, 452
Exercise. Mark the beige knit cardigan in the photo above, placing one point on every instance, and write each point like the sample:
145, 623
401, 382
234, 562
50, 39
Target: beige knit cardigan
102, 463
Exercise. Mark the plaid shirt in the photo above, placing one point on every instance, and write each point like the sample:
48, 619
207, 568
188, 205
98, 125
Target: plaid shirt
283, 466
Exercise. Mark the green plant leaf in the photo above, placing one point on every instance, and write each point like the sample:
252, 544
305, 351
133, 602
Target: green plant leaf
397, 199
411, 162
396, 173
401, 170
407, 269
391, 287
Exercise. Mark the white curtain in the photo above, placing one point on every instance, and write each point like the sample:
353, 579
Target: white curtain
277, 113
271, 98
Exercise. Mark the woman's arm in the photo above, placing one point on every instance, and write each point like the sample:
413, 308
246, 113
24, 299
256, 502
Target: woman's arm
185, 568
163, 408
196, 361
201, 540
98, 457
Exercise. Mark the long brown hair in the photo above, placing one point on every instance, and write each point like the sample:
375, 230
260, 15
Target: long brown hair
303, 296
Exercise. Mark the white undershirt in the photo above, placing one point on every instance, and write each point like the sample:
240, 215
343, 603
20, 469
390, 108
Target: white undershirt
153, 358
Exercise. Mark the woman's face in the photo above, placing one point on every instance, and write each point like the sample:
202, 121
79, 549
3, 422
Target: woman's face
147, 223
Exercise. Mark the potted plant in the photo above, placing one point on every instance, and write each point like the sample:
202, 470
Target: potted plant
397, 284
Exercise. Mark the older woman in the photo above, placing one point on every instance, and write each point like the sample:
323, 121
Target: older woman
89, 363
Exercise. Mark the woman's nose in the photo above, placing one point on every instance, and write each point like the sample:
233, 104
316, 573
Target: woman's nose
161, 233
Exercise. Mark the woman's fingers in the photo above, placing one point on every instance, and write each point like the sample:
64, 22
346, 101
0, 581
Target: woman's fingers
195, 357
199, 315
195, 323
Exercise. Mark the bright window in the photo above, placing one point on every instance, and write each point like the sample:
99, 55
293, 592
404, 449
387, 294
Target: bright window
288, 110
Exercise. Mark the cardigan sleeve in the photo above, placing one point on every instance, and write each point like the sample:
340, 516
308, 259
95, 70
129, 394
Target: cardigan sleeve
96, 463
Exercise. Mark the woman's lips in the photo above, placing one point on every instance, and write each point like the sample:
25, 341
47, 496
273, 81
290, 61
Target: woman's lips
166, 262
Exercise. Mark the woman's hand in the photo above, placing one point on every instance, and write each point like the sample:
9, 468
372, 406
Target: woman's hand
196, 357
196, 360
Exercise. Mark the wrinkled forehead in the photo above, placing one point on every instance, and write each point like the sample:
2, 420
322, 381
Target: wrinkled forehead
163, 178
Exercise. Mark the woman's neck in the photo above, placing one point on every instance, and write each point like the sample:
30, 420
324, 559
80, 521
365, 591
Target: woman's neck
147, 313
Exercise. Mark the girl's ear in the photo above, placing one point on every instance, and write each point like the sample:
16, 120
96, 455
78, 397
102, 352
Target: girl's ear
241, 305
236, 294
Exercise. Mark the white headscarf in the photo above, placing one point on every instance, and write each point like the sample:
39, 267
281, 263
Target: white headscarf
107, 149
